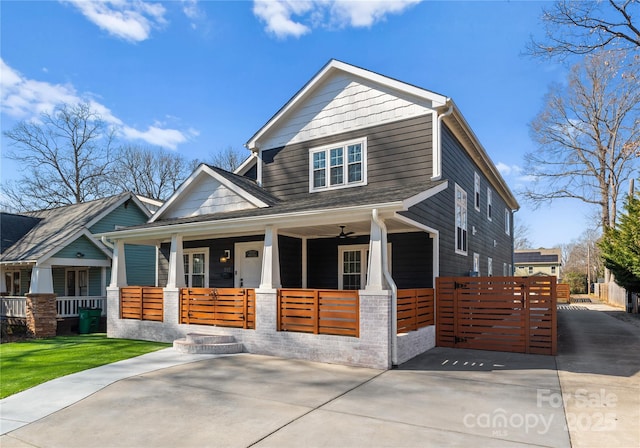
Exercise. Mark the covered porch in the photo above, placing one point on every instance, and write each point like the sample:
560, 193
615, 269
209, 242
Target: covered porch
301, 285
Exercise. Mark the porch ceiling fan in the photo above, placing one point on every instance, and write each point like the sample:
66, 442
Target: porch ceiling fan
344, 234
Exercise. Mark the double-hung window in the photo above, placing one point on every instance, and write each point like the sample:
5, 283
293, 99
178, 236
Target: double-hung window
461, 221
489, 205
476, 191
507, 221
338, 166
12, 282
196, 272
353, 261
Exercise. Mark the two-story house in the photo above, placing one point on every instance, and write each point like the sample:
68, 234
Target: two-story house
360, 182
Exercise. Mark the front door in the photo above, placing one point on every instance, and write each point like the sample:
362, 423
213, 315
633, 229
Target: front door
248, 264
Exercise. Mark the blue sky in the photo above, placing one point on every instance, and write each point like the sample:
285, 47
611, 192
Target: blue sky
199, 76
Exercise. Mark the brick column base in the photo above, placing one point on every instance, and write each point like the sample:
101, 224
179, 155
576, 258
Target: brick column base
41, 315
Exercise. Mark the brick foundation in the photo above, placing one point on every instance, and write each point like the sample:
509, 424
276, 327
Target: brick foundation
41, 315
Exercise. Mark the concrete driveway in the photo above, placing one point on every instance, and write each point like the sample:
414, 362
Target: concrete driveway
445, 397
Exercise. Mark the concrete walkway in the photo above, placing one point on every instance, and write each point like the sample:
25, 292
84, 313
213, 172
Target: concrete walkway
445, 397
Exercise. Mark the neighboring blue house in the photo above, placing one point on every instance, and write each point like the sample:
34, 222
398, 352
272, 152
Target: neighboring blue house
55, 251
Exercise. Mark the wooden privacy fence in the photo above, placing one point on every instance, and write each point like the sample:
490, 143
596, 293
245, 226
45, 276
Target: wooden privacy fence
563, 291
319, 311
141, 302
415, 309
224, 307
513, 314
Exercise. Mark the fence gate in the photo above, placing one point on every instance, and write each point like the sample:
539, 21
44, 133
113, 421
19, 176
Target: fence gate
512, 314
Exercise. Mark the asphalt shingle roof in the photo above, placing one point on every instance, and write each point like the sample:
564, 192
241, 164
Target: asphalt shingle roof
53, 228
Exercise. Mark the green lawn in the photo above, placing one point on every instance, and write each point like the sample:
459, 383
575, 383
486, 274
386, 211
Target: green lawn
27, 364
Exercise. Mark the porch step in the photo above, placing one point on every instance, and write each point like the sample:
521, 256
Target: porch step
212, 344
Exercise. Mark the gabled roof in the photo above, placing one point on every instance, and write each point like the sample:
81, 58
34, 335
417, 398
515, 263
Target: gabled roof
242, 186
287, 213
327, 71
58, 227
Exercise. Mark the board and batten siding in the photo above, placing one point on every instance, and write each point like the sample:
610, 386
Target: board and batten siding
398, 153
342, 104
438, 212
206, 195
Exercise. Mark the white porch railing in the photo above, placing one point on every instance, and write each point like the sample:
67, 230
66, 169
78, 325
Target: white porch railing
11, 306
68, 306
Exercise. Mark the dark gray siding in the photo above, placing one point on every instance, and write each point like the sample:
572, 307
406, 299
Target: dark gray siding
220, 274
290, 250
397, 153
438, 212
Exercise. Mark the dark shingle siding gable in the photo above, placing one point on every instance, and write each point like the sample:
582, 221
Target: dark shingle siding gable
13, 228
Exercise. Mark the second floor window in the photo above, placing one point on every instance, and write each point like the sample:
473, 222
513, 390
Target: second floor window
461, 221
337, 166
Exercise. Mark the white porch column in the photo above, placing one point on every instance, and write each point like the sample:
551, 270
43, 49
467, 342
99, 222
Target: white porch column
270, 260
41, 279
176, 263
377, 257
118, 266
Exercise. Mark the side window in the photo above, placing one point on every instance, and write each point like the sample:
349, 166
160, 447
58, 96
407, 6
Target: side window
507, 221
338, 166
476, 190
489, 205
461, 220
490, 267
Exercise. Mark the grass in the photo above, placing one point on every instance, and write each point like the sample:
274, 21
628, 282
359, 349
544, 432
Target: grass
29, 363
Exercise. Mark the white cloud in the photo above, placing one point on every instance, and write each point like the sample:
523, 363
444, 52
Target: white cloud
131, 20
285, 17
25, 99
167, 138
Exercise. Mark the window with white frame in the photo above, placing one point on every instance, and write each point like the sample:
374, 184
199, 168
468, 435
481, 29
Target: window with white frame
353, 263
338, 166
12, 282
530, 270
490, 266
489, 205
507, 221
504, 269
196, 272
77, 282
461, 220
476, 262
476, 190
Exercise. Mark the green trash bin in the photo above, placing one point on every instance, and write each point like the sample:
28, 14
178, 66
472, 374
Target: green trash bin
94, 318
84, 320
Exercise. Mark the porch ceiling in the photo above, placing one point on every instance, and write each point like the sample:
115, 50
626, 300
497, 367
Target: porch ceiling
332, 230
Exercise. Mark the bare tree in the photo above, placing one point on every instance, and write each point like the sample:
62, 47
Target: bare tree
154, 173
588, 135
581, 27
64, 158
521, 237
228, 159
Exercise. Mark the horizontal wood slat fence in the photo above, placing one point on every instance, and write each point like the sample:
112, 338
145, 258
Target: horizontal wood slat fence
142, 303
415, 309
319, 311
513, 314
563, 290
224, 307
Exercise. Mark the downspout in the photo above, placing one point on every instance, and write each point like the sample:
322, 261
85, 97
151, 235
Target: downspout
392, 285
438, 163
106, 242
